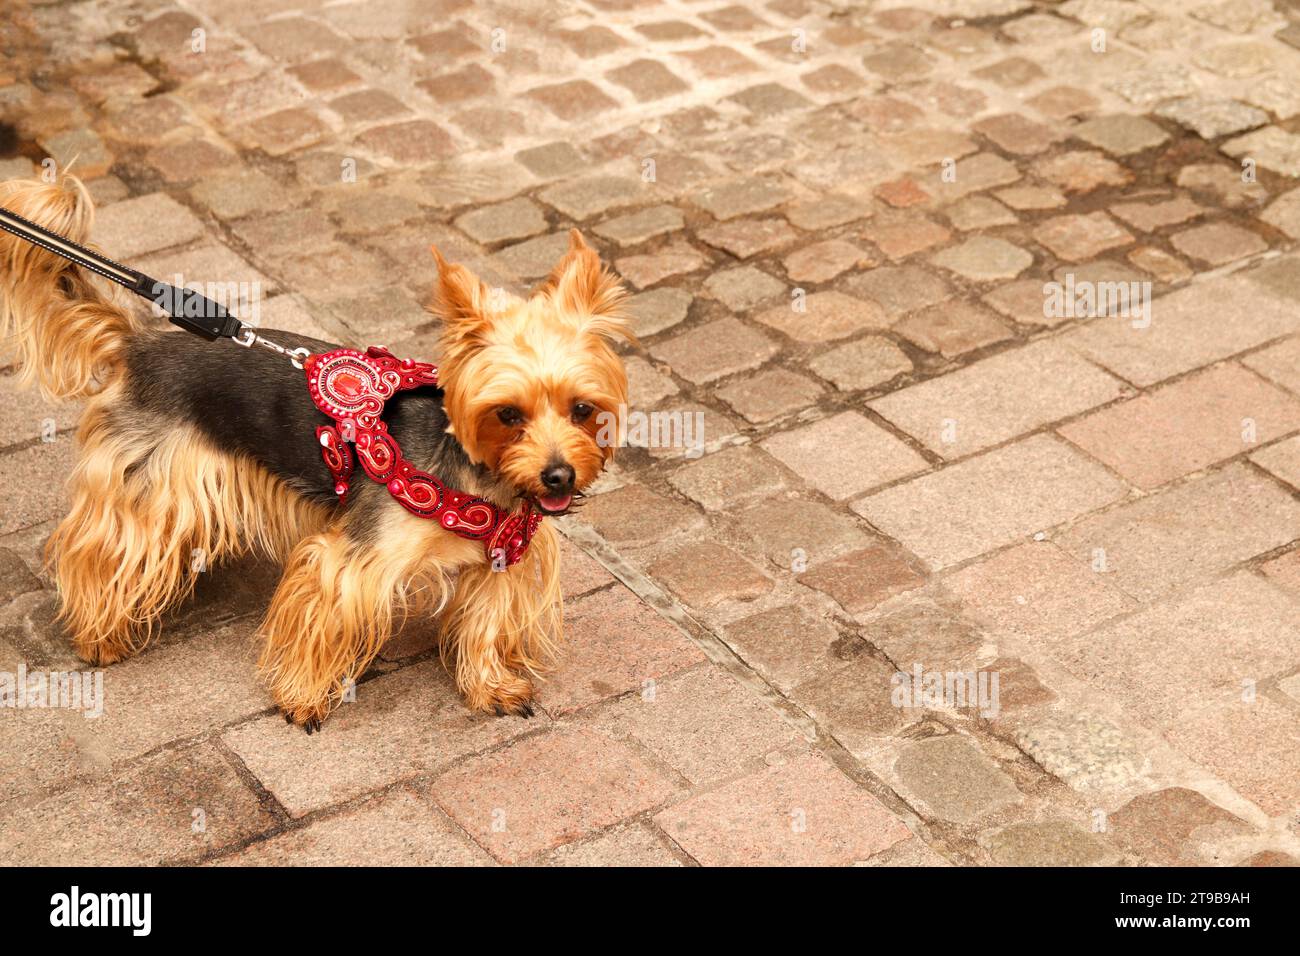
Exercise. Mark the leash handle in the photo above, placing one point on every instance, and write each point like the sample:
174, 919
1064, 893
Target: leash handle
186, 308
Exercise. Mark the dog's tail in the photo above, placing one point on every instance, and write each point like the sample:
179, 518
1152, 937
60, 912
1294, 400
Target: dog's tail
67, 333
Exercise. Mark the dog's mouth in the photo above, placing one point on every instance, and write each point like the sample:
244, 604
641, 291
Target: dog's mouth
554, 504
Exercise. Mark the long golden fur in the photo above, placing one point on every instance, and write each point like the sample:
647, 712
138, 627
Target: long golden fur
156, 500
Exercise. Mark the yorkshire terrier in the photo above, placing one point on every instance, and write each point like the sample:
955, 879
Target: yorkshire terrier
196, 448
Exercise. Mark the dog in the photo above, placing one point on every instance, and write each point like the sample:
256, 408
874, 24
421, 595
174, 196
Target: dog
189, 448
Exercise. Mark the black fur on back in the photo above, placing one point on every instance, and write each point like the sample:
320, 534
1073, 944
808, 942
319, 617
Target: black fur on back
252, 400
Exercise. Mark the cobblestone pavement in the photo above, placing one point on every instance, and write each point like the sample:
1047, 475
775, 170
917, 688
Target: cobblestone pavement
839, 220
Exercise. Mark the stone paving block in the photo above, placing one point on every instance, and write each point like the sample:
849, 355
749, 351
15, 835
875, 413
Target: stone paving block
646, 385
135, 226
1285, 572
984, 259
551, 160
844, 455
979, 212
975, 173
647, 80
367, 744
1218, 243
35, 475
224, 275
635, 844
141, 816
748, 237
1190, 650
408, 142
767, 395
639, 226
870, 361
802, 813
1272, 148
854, 700
1036, 592
952, 329
706, 573
1180, 428
786, 645
715, 350
1170, 827
533, 258
395, 829
658, 309
1121, 134
1160, 264
823, 261
1082, 171
952, 779
613, 644
901, 236
1047, 843
1280, 276
582, 573
991, 500
729, 477
1017, 134
1149, 217
674, 259
24, 415
572, 101
1268, 771
1283, 460
635, 516
512, 220
1210, 118
1025, 302
923, 632
826, 212
240, 193
998, 398
862, 579
899, 289
742, 197
137, 719
596, 782
824, 317
1076, 238
583, 198
1086, 750
796, 534
1284, 213
678, 721
41, 745
1185, 533
15, 577
743, 288
1032, 197
1190, 327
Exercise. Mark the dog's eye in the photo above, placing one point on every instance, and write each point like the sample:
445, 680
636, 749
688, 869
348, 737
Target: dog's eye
510, 416
582, 411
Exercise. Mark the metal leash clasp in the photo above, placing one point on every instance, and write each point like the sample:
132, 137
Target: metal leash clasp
248, 337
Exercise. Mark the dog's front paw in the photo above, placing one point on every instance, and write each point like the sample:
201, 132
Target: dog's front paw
308, 718
511, 699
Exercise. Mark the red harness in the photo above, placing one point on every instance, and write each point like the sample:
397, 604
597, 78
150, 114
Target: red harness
351, 387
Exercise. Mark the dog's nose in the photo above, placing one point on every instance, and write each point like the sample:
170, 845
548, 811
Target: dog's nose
558, 478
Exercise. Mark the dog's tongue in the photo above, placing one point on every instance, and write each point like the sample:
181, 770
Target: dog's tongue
556, 502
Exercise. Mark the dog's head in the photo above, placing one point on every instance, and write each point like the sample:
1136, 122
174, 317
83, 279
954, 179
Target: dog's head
533, 387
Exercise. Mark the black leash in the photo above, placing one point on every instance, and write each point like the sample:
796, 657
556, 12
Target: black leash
191, 310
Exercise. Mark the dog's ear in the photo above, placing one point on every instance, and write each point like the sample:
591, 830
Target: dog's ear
460, 298
581, 286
